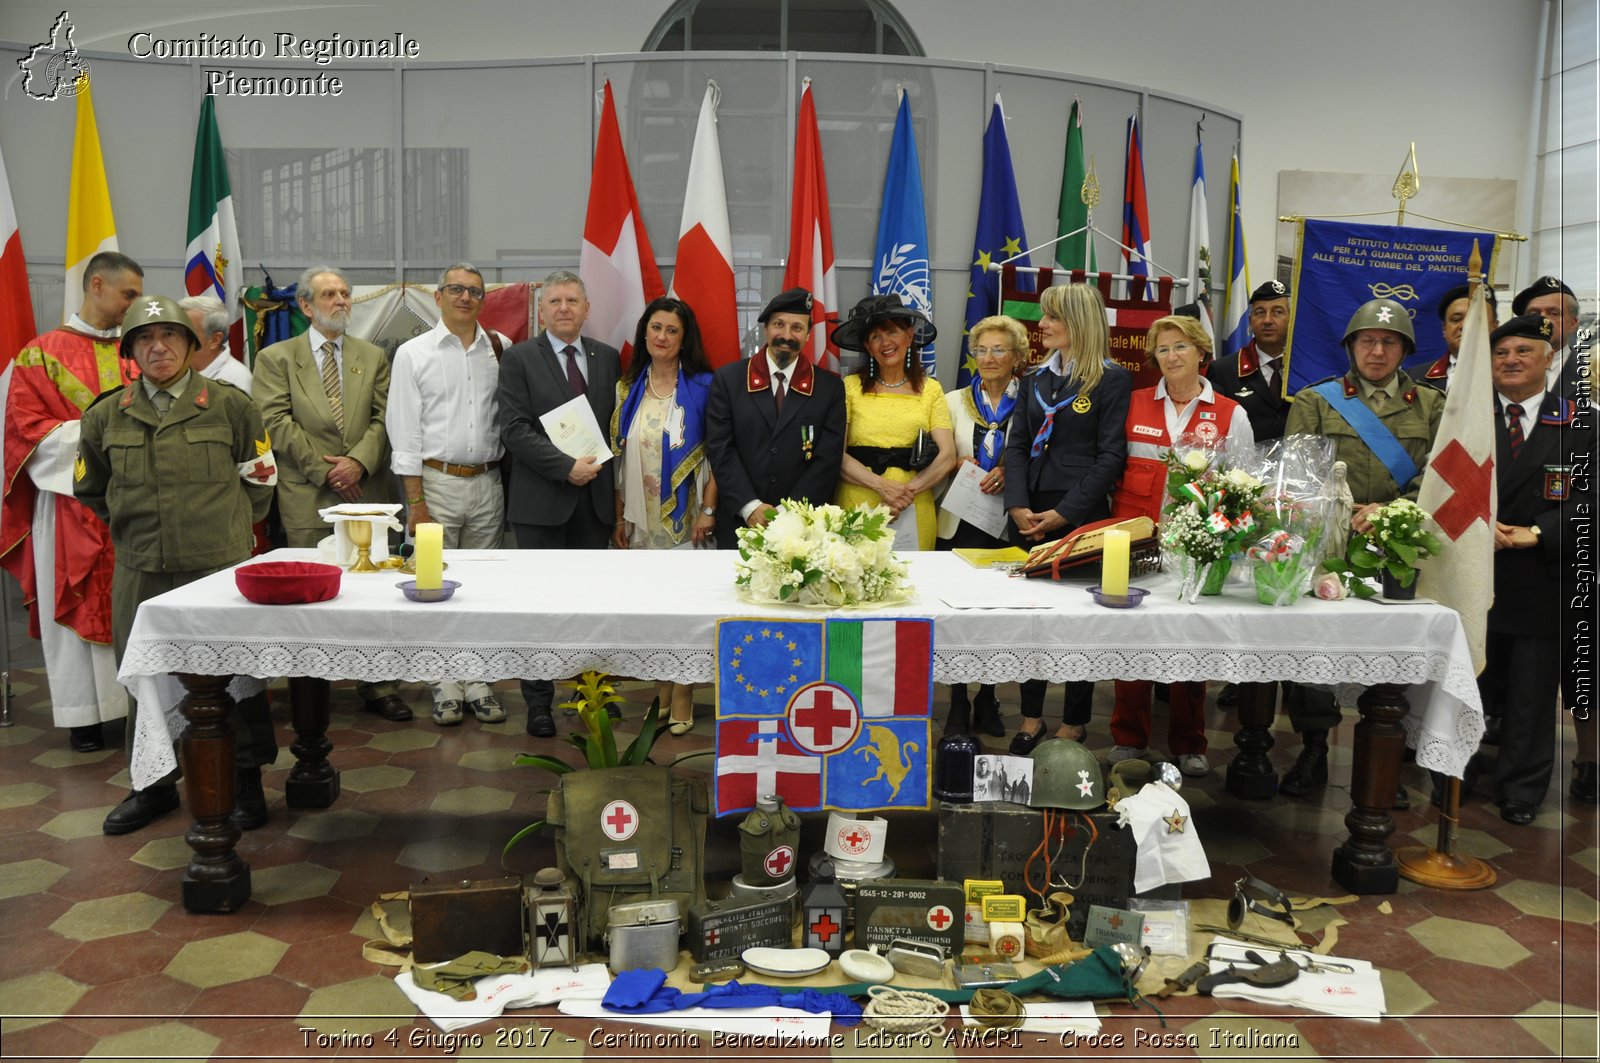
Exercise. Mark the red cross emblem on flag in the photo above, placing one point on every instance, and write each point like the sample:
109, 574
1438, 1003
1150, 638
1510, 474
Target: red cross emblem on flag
779, 861
619, 821
823, 717
940, 917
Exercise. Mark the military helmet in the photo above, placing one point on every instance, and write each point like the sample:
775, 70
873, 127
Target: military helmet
155, 310
1382, 314
1066, 775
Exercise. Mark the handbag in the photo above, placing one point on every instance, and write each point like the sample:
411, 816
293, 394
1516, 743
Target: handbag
923, 451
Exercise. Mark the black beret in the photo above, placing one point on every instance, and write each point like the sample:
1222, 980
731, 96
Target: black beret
1533, 326
1188, 310
1273, 289
1542, 286
793, 301
1461, 291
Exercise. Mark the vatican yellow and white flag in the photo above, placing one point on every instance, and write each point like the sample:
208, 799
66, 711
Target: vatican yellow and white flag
90, 227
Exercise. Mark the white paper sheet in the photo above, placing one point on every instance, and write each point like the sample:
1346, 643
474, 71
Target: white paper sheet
905, 530
790, 1025
1355, 995
965, 499
573, 429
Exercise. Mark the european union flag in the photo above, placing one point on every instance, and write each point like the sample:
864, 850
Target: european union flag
901, 254
762, 661
1000, 235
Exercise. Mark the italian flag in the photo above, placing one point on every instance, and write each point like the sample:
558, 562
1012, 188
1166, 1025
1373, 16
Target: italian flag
887, 664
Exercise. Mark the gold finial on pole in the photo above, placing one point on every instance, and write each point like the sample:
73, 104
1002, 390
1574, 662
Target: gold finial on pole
1407, 183
1089, 191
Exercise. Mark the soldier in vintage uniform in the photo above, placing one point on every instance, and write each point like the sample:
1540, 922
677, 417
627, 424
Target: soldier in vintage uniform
179, 467
1382, 425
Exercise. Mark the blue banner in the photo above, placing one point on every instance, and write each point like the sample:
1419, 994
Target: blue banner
1343, 264
901, 258
999, 236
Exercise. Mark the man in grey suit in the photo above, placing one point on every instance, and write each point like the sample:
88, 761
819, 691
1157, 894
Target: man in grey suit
322, 395
557, 502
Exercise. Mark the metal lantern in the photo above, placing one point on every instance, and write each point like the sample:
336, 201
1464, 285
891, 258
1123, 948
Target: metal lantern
552, 913
823, 912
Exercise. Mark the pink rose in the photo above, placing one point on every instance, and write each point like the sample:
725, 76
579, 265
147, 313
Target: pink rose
1328, 587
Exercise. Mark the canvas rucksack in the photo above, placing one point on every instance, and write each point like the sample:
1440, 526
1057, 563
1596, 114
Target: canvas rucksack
627, 835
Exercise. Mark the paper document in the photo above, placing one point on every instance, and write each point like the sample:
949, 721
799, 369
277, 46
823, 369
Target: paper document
573, 429
905, 530
965, 499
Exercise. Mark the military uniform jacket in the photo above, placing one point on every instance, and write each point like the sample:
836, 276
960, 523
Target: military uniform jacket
758, 453
1413, 417
1239, 377
1536, 490
172, 490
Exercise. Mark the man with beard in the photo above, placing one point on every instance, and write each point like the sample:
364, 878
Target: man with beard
774, 425
323, 395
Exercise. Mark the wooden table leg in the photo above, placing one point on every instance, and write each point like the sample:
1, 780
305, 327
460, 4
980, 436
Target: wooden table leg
313, 782
1250, 774
1364, 863
217, 880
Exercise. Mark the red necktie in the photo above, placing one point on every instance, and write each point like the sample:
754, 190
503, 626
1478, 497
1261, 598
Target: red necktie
777, 391
574, 374
1514, 428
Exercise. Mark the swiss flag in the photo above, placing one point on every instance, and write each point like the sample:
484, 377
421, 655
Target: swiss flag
810, 264
16, 306
616, 262
703, 276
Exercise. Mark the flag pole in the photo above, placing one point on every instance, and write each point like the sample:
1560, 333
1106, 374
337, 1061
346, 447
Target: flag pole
1441, 867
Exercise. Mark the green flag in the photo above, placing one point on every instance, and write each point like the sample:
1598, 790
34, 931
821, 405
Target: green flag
1074, 252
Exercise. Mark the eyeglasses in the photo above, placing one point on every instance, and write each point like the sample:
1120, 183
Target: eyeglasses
990, 352
1370, 343
1174, 348
456, 290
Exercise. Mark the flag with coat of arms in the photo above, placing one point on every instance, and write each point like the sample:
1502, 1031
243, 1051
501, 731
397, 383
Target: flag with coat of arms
900, 257
827, 714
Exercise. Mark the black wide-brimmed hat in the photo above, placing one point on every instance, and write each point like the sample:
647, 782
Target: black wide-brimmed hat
877, 310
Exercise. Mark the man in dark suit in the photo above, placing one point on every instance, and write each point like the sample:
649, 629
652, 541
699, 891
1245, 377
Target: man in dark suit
1551, 297
1254, 377
557, 502
774, 424
1452, 319
325, 455
1537, 434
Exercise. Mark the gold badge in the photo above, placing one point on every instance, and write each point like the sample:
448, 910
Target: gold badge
263, 444
1081, 404
79, 469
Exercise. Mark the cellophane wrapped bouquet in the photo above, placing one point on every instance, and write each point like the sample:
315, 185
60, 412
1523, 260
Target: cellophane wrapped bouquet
821, 556
1210, 512
1297, 508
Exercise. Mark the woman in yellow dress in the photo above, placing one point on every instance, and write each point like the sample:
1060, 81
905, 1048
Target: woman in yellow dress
888, 405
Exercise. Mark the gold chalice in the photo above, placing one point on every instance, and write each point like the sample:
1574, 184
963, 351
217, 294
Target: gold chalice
361, 535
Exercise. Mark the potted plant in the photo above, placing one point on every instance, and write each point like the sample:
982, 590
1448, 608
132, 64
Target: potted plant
1397, 540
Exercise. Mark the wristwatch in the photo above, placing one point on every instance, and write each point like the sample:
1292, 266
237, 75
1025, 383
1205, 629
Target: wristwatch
708, 511
1533, 529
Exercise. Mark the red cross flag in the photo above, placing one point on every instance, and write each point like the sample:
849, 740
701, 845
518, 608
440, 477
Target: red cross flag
1458, 487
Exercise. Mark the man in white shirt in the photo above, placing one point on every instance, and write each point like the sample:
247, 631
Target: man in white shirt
213, 360
444, 428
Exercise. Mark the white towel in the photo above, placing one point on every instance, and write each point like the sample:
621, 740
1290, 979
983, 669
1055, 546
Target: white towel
1169, 845
497, 992
1358, 995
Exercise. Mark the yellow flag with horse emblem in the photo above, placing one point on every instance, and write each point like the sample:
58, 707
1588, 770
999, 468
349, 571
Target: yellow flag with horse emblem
827, 714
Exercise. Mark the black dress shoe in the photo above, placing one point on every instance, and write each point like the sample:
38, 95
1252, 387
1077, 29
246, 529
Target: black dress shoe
1491, 731
986, 714
1228, 695
390, 707
1402, 798
541, 724
249, 800
1310, 771
1585, 782
1022, 742
1517, 812
87, 739
140, 808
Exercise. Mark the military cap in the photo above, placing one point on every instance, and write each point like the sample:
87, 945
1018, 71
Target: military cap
1532, 326
1461, 291
155, 310
793, 301
1273, 289
1542, 286
1382, 314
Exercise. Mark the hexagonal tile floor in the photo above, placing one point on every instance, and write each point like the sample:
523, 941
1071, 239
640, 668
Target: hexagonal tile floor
104, 961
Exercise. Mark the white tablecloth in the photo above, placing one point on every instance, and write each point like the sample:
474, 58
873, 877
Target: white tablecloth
652, 615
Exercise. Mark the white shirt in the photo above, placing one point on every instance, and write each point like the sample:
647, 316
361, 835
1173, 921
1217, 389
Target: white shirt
1558, 360
317, 339
1530, 412
560, 347
443, 401
226, 367
1240, 432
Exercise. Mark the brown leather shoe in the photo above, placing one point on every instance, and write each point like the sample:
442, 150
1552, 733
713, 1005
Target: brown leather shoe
390, 707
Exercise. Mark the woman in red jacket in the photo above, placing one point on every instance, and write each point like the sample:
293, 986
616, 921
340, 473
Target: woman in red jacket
1181, 408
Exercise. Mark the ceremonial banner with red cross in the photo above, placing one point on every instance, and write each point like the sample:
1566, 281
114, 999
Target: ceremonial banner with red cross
827, 714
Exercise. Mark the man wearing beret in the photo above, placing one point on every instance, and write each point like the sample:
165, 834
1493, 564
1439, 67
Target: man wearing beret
1452, 318
1538, 436
774, 424
180, 468
1550, 297
1254, 377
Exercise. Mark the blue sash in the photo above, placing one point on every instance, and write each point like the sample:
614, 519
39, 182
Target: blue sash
1371, 429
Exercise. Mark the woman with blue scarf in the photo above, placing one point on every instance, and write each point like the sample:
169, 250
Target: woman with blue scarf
979, 418
666, 497
1064, 455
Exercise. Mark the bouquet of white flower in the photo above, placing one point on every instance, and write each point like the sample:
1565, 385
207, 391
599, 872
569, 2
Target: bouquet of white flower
821, 555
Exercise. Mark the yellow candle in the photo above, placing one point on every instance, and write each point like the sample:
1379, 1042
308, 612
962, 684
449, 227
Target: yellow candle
430, 557
1113, 566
